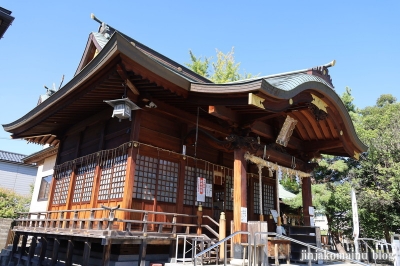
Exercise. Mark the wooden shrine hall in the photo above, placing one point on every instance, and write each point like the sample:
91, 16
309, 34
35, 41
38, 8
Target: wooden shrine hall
145, 145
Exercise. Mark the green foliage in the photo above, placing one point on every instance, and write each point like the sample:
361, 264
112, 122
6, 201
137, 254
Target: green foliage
290, 184
199, 65
11, 203
223, 70
385, 99
338, 208
348, 100
378, 175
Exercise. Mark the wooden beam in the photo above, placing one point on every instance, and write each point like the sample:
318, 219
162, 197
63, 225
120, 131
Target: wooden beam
223, 113
188, 118
266, 131
122, 73
321, 145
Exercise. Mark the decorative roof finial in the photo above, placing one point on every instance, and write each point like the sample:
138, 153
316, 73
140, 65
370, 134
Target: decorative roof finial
104, 29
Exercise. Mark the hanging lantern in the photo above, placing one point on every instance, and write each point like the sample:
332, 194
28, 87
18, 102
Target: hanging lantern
122, 108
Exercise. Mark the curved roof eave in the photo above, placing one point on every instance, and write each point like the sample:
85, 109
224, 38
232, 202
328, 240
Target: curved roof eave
115, 46
284, 88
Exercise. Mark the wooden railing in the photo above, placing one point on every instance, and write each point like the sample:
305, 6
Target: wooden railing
70, 221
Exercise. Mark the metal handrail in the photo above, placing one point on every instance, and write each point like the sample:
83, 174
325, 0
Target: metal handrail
211, 220
270, 233
316, 248
210, 229
377, 241
225, 247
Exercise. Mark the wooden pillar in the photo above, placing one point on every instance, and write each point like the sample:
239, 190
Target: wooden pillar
239, 200
32, 250
106, 253
142, 253
307, 199
130, 166
86, 252
14, 249
70, 252
56, 246
22, 249
96, 185
43, 250
70, 196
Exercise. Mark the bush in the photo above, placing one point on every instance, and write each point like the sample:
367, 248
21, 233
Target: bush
11, 203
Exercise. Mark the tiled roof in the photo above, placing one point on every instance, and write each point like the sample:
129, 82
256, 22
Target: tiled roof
12, 157
289, 82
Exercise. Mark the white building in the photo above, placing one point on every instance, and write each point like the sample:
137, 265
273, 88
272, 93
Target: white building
15, 174
45, 160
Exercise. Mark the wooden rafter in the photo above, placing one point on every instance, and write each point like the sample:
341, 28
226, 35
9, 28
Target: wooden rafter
122, 73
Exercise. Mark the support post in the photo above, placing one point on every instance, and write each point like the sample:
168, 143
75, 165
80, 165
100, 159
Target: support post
199, 219
222, 234
70, 252
32, 250
86, 252
14, 249
56, 246
106, 253
142, 253
43, 250
22, 249
239, 201
307, 199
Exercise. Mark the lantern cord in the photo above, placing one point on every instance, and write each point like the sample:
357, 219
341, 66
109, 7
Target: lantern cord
124, 84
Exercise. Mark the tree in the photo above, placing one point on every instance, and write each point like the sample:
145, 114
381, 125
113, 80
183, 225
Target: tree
11, 203
379, 173
222, 71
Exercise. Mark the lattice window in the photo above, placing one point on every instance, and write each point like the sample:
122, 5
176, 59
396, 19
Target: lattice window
145, 178
167, 185
113, 173
190, 183
119, 175
268, 198
229, 193
84, 183
62, 177
153, 176
191, 174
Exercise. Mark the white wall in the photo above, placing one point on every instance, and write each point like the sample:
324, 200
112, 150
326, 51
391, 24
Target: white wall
45, 169
17, 177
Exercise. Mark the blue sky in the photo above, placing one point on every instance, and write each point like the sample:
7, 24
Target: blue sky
47, 40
